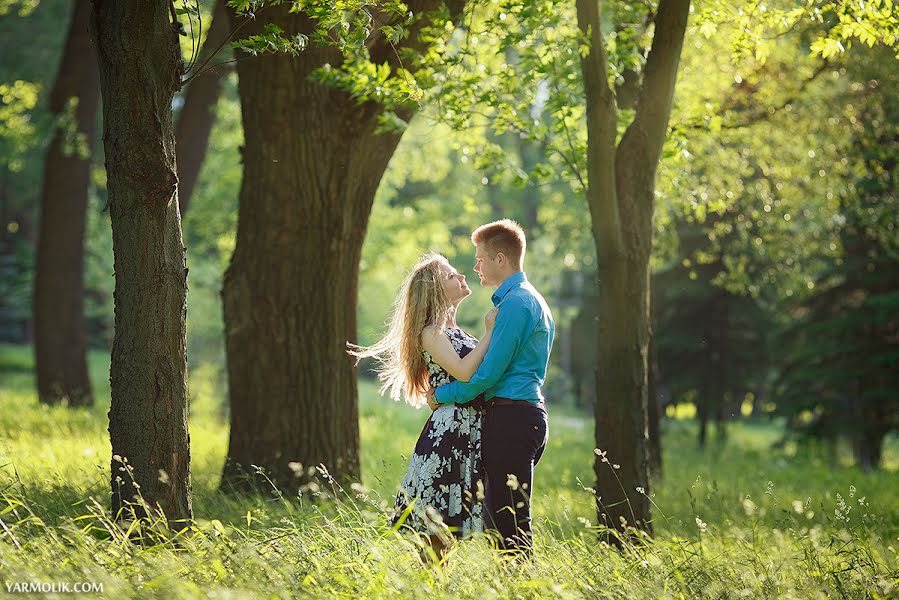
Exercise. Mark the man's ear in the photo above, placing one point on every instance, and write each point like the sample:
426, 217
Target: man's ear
501, 258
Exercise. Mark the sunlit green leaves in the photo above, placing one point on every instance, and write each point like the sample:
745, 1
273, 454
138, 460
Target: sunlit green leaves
273, 40
18, 131
755, 26
366, 81
23, 8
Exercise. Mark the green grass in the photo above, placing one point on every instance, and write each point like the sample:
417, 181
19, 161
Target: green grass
738, 520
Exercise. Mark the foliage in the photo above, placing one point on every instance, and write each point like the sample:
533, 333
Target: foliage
17, 131
712, 342
839, 374
752, 25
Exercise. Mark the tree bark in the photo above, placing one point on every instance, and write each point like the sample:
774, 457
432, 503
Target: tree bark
312, 164
621, 185
140, 70
60, 343
653, 406
198, 113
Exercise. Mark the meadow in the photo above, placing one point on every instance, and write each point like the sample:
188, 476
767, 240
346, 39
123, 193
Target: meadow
741, 519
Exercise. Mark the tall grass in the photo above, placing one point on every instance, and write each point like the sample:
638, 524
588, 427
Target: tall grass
739, 520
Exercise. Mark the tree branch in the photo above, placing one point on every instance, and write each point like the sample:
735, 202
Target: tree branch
657, 93
601, 134
219, 19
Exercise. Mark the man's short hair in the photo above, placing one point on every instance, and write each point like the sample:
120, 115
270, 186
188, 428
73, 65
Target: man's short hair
504, 236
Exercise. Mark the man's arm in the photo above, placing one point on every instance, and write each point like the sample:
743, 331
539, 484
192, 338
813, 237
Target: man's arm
514, 323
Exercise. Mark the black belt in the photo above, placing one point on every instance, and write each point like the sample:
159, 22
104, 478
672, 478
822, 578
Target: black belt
497, 401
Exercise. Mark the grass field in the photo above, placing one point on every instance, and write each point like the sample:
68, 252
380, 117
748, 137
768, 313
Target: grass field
738, 520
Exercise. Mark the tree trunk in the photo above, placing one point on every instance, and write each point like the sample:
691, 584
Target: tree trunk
312, 164
140, 70
60, 344
198, 113
622, 394
702, 415
871, 421
653, 406
620, 194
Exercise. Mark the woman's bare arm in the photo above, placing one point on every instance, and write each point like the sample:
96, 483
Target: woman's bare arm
438, 345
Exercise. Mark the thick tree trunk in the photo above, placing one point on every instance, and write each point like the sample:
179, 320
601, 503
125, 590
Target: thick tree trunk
622, 394
140, 70
620, 195
60, 343
198, 113
289, 292
624, 348
312, 164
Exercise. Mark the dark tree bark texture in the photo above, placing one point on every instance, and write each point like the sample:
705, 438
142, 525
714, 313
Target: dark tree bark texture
620, 195
140, 70
312, 164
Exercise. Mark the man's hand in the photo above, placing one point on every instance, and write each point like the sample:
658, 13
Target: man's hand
432, 399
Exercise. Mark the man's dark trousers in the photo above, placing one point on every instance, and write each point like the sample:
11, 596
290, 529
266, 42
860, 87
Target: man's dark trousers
513, 439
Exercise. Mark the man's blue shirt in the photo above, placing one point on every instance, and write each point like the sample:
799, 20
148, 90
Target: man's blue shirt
515, 364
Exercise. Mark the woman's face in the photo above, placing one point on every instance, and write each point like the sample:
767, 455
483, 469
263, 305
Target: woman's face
453, 284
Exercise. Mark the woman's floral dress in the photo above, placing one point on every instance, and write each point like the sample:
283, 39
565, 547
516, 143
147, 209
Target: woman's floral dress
443, 489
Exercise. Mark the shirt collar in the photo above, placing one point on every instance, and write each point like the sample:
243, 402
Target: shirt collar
511, 281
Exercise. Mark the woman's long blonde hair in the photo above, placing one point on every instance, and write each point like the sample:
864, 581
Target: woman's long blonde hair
421, 301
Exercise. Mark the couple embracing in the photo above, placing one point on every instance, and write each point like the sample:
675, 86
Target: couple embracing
472, 468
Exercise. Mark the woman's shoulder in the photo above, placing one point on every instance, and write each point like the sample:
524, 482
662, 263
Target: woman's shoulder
430, 335
431, 331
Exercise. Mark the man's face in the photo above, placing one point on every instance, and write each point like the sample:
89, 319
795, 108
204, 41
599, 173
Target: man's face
487, 268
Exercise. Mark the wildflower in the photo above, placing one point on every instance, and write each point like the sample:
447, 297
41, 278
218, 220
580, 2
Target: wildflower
163, 476
749, 506
512, 482
703, 526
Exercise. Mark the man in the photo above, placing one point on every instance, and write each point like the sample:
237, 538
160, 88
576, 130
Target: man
510, 376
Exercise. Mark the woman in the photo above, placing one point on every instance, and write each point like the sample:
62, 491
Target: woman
442, 492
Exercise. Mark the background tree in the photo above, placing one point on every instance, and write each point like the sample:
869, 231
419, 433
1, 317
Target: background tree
31, 39
320, 129
60, 343
140, 70
620, 194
